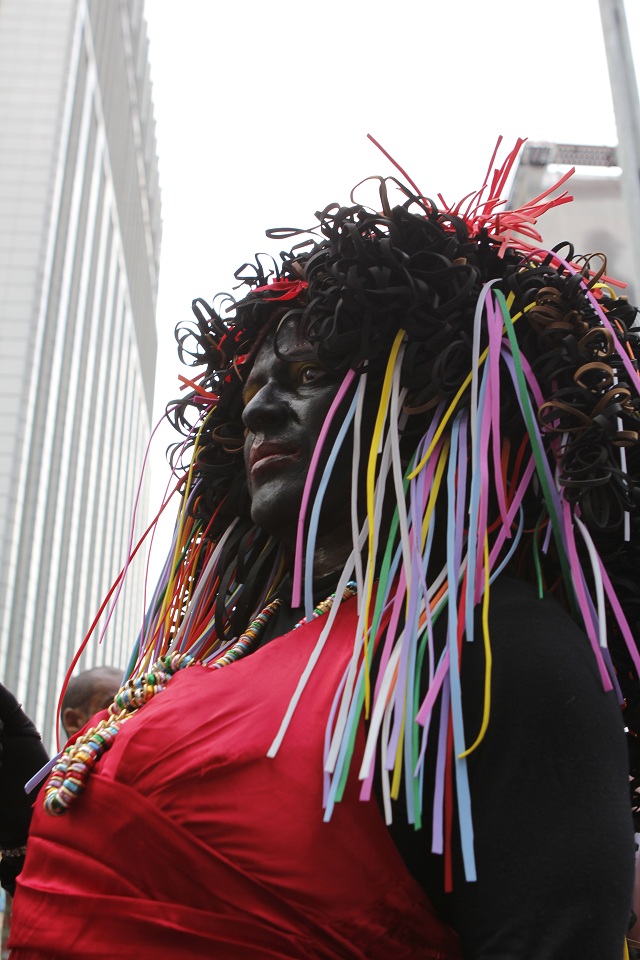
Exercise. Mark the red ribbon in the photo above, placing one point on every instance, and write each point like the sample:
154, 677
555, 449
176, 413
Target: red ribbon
287, 289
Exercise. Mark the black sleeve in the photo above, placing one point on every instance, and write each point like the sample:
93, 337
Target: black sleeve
22, 754
549, 786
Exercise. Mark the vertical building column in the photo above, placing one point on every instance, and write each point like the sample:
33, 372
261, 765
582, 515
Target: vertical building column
626, 105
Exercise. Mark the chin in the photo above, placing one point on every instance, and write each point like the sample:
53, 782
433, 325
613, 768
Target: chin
275, 513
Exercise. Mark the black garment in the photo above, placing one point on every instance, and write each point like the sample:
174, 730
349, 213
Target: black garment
21, 755
549, 792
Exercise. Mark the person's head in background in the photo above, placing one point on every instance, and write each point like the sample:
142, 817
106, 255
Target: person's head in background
88, 693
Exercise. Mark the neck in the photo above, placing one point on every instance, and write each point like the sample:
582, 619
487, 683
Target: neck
330, 556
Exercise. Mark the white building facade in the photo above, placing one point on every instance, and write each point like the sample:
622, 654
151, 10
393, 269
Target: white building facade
79, 253
596, 219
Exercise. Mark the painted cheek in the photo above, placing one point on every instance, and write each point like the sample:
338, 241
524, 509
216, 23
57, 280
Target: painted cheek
248, 440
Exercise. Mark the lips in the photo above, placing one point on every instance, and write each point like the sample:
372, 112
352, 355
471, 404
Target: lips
271, 455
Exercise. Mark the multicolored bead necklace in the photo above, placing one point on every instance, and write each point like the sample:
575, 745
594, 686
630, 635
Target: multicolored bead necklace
325, 605
70, 774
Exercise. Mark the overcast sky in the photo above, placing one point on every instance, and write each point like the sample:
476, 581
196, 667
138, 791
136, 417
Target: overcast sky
262, 111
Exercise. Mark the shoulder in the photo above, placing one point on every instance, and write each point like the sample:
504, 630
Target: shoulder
516, 602
544, 674
536, 635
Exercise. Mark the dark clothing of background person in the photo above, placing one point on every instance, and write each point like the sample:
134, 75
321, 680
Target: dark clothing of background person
22, 754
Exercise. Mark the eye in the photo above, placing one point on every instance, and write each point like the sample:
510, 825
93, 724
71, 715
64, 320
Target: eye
310, 372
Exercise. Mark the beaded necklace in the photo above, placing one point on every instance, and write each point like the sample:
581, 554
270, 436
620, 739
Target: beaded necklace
325, 605
70, 774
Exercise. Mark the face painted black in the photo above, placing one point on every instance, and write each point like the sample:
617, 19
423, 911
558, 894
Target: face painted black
287, 398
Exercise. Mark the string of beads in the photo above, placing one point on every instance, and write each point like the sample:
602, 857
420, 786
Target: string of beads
325, 605
69, 775
246, 643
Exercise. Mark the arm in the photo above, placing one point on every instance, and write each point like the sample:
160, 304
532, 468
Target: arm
21, 755
549, 788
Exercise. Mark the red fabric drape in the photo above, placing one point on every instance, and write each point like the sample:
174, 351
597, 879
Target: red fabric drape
189, 842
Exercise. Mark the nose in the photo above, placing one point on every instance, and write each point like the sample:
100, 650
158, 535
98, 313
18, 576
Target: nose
266, 409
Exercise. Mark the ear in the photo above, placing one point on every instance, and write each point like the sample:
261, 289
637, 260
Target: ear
73, 720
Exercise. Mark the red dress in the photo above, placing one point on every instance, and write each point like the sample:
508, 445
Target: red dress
190, 843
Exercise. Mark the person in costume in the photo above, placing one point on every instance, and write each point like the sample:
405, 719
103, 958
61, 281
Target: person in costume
375, 710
